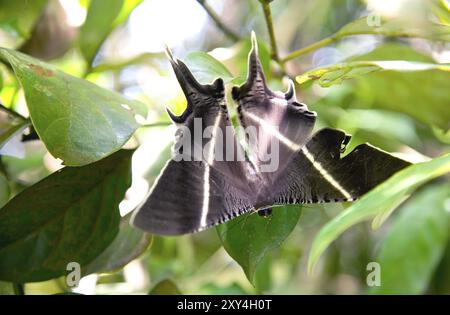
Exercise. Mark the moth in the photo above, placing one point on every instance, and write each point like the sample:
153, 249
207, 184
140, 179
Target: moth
191, 195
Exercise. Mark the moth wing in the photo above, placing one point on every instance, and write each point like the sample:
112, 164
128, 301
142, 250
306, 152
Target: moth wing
276, 124
189, 197
204, 129
318, 173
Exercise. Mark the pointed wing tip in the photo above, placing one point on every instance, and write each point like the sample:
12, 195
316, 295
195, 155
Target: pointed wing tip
169, 55
254, 42
173, 117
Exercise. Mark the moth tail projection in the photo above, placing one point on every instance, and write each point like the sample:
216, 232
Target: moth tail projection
280, 124
318, 173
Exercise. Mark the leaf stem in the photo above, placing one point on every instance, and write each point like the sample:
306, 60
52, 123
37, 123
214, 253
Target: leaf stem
213, 15
19, 288
268, 16
157, 124
11, 112
322, 43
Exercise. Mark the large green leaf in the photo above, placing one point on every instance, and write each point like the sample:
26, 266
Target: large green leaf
18, 17
249, 238
206, 68
99, 20
379, 202
70, 216
77, 120
129, 244
415, 243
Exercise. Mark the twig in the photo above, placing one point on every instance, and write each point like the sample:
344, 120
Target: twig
225, 29
11, 112
268, 16
322, 43
158, 124
19, 288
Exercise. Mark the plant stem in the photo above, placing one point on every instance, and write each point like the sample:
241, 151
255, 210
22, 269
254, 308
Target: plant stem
268, 16
322, 43
213, 15
157, 124
11, 112
19, 288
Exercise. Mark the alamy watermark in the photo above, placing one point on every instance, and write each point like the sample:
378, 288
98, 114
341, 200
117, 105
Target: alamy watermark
373, 278
373, 19
74, 275
213, 144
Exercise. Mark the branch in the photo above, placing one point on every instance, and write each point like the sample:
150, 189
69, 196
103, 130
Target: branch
268, 16
157, 124
322, 43
19, 289
213, 15
11, 112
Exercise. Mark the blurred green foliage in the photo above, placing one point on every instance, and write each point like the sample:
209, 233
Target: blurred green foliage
378, 72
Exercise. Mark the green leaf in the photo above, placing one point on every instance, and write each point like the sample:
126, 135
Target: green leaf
19, 16
395, 28
70, 216
379, 202
77, 120
249, 238
381, 70
206, 68
415, 243
165, 287
128, 245
335, 74
99, 23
